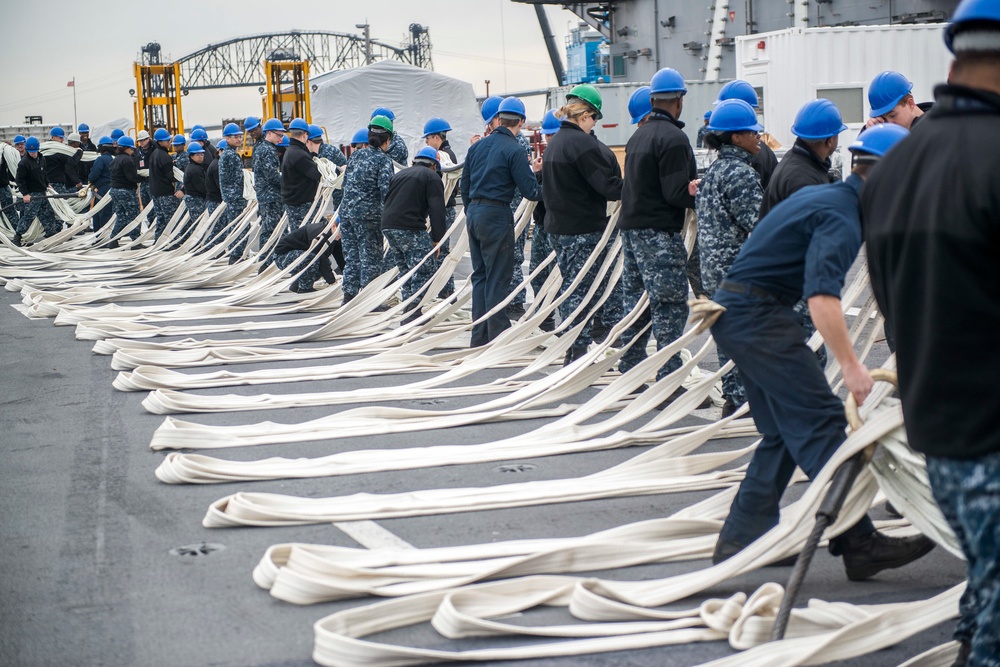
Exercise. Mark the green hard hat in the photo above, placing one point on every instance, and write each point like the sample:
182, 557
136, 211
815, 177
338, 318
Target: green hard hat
588, 94
381, 122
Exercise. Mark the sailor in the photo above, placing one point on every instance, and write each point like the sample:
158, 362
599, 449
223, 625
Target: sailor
195, 186
85, 143
230, 183
199, 134
162, 183
300, 176
100, 179
802, 249
281, 148
181, 157
8, 174
415, 195
541, 246
252, 128
213, 193
579, 183
327, 152
124, 181
891, 99
82, 167
494, 168
295, 244
116, 134
702, 131
397, 147
817, 127
32, 183
267, 177
933, 240
61, 166
515, 309
143, 146
366, 184
488, 110
360, 139
727, 203
436, 136
765, 161
660, 184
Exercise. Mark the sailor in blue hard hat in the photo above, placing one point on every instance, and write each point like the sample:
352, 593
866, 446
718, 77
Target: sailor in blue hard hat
32, 183
489, 110
300, 176
890, 95
266, 167
397, 147
436, 135
163, 186
703, 130
230, 184
18, 143
85, 143
802, 249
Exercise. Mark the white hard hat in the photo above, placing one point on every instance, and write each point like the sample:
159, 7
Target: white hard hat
73, 137
143, 134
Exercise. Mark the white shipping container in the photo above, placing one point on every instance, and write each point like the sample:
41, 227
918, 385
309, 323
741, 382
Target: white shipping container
791, 67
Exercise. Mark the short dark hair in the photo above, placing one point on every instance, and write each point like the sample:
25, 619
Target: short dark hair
511, 122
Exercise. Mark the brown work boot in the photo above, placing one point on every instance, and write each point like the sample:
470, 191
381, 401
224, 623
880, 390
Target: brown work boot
867, 556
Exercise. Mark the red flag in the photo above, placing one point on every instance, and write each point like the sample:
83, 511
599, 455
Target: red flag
71, 84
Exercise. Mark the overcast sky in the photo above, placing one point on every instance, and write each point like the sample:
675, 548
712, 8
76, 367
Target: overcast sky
46, 44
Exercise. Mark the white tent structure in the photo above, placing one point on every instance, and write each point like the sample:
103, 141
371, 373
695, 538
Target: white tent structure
343, 102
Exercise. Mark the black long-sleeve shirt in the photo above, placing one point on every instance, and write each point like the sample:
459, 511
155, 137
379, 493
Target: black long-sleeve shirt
303, 237
213, 191
123, 172
196, 180
579, 182
414, 194
798, 168
659, 165
299, 175
161, 173
62, 169
30, 177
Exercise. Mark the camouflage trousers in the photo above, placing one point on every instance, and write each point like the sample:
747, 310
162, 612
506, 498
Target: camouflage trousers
101, 217
968, 493
126, 207
270, 215
716, 257
805, 319
296, 215
42, 209
145, 198
220, 228
336, 197
195, 207
62, 188
363, 253
518, 268
211, 205
308, 277
407, 248
12, 213
655, 262
541, 247
572, 252
164, 206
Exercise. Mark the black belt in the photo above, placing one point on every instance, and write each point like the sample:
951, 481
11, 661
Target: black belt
751, 290
491, 202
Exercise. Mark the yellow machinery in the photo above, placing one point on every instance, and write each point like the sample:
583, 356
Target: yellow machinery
285, 96
158, 97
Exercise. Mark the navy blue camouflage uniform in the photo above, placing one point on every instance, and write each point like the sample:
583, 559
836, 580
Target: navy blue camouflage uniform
231, 185
31, 180
124, 200
99, 179
659, 165
397, 150
415, 194
728, 202
518, 276
336, 156
292, 250
450, 213
366, 185
162, 186
700, 140
267, 185
494, 167
300, 180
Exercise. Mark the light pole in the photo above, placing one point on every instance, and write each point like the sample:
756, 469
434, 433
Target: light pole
368, 41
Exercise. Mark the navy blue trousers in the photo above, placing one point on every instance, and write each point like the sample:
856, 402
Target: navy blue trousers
802, 422
491, 247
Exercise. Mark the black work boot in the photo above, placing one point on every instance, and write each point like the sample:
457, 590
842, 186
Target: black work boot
964, 650
17, 240
574, 353
548, 324
864, 557
598, 330
729, 407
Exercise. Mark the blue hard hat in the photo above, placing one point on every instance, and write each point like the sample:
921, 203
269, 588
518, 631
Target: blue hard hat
284, 143
879, 139
667, 80
31, 144
193, 149
551, 122
231, 130
739, 90
57, 132
382, 111
161, 135
126, 142
251, 123
428, 153
105, 141
512, 105
969, 12
83, 127
273, 125
197, 127
18, 139
639, 104
315, 132
491, 106
436, 126
116, 133
818, 119
221, 144
734, 115
179, 140
360, 137
199, 134
886, 91
708, 114
298, 124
